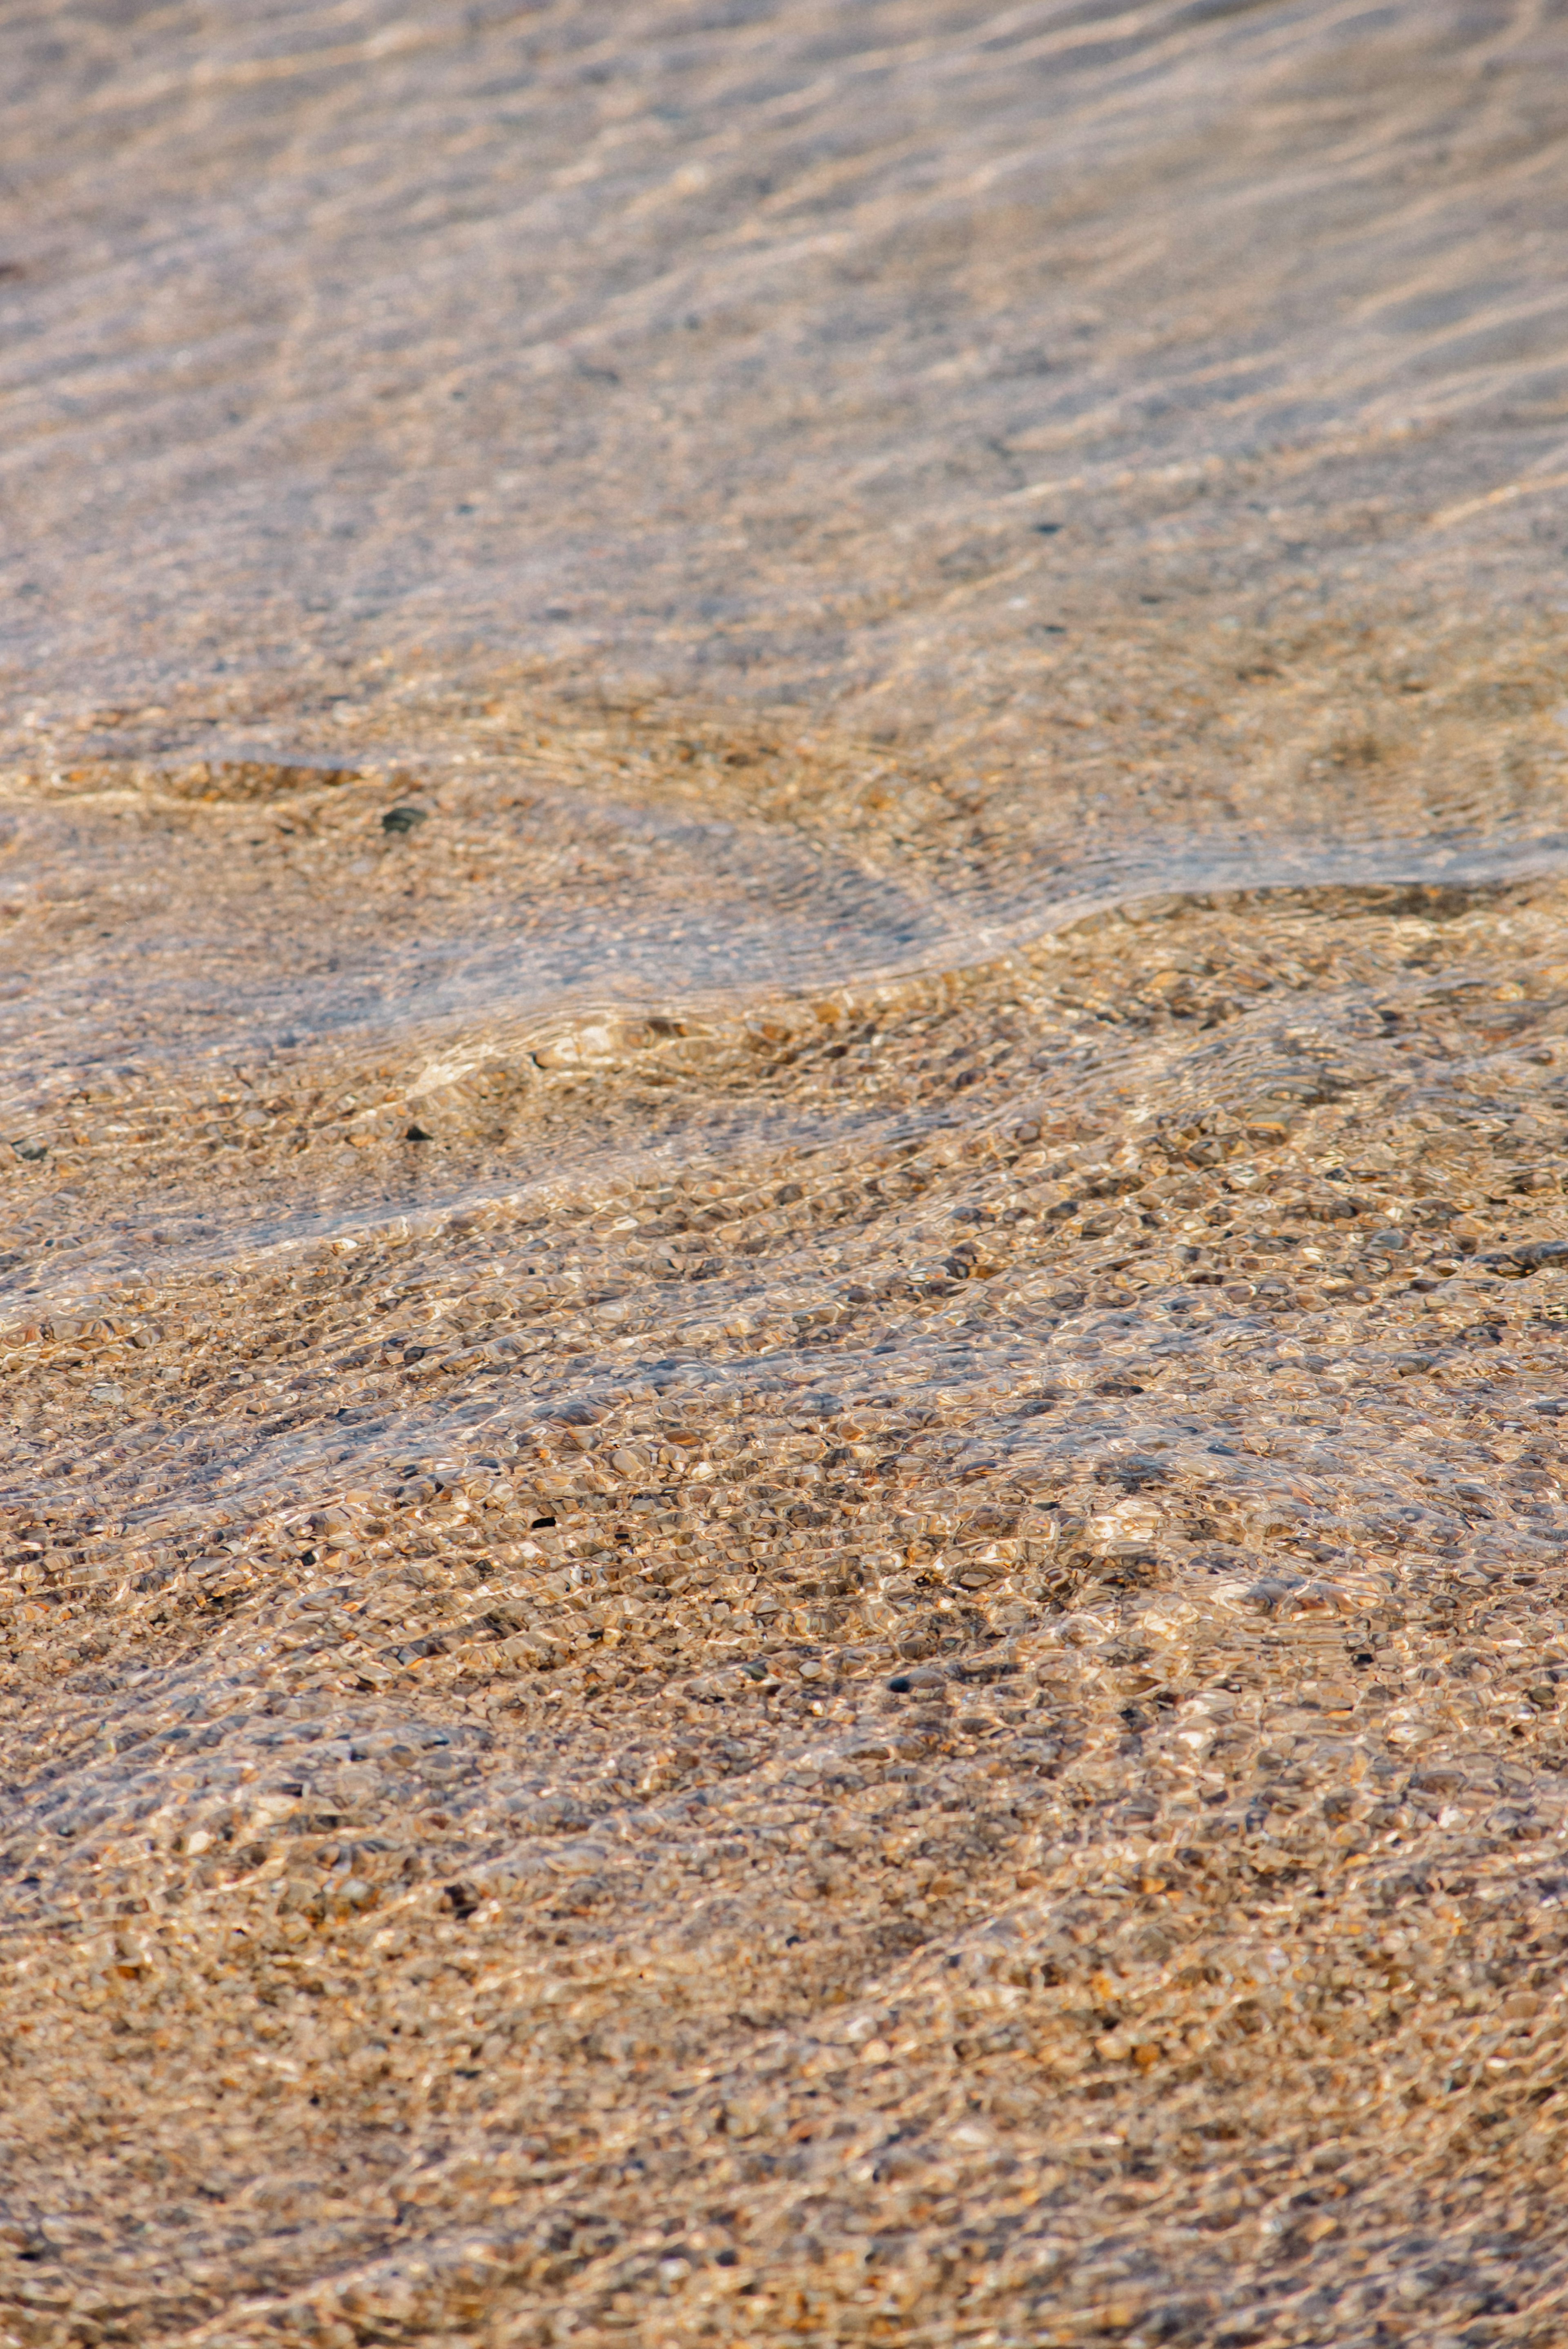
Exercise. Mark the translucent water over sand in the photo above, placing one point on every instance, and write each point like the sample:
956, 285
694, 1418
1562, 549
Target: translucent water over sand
783, 1031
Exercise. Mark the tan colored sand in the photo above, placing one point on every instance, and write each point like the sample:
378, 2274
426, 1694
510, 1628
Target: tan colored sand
784, 1268
885, 1667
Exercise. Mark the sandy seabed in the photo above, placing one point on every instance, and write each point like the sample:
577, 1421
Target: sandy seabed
784, 1055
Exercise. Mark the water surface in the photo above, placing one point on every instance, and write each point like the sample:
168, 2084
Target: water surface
783, 1041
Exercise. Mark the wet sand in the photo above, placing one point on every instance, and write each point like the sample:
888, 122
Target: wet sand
784, 1052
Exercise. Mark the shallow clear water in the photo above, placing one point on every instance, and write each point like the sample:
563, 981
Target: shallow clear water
782, 1034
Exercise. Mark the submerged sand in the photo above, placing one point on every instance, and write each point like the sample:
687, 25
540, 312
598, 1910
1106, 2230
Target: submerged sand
784, 1049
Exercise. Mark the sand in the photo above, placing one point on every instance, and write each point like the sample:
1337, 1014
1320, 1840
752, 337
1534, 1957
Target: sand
784, 1051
